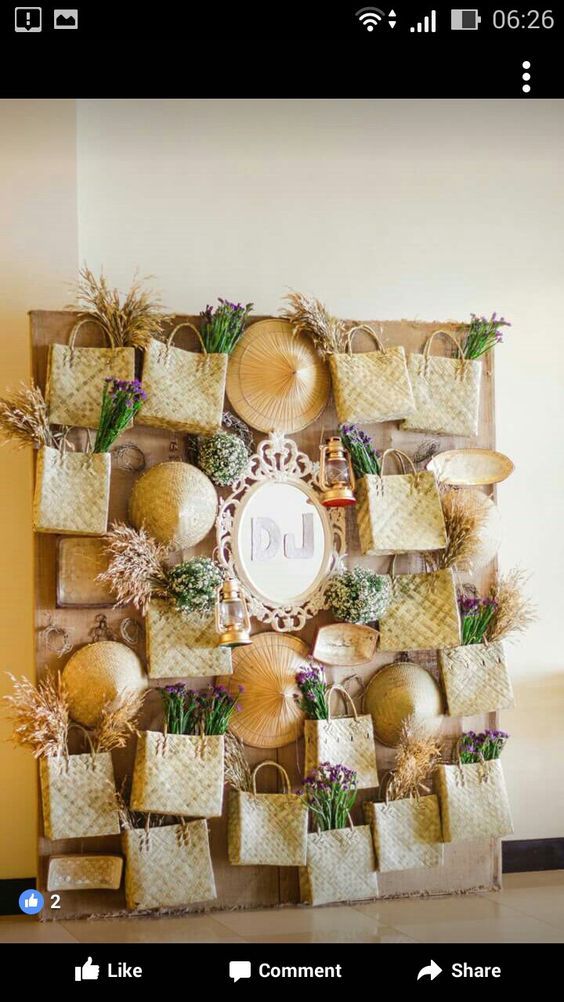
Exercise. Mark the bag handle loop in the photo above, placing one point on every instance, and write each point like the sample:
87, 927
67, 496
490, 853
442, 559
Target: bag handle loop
281, 769
186, 323
368, 330
402, 457
339, 688
429, 341
90, 320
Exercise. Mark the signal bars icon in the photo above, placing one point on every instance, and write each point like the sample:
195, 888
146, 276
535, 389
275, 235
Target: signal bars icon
370, 17
429, 23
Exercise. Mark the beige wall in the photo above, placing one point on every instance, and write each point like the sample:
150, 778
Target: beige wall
390, 209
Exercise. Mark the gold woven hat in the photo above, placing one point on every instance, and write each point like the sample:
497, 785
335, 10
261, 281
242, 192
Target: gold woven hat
276, 380
270, 716
175, 502
491, 532
399, 691
96, 674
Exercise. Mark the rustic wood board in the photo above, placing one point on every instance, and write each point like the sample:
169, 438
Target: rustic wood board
468, 866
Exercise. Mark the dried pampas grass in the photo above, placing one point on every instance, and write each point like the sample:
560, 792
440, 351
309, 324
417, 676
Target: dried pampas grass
128, 321
514, 610
136, 566
129, 819
24, 420
237, 770
309, 316
418, 753
117, 722
40, 714
464, 520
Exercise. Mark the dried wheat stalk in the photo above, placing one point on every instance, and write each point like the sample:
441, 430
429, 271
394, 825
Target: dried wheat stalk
464, 520
309, 316
417, 755
40, 714
130, 320
117, 722
514, 610
24, 420
237, 770
136, 566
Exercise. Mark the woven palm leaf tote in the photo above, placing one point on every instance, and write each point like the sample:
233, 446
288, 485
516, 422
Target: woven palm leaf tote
180, 774
78, 796
267, 829
398, 513
474, 801
423, 614
348, 741
406, 833
168, 866
75, 378
475, 679
182, 644
371, 386
185, 389
446, 392
340, 866
72, 492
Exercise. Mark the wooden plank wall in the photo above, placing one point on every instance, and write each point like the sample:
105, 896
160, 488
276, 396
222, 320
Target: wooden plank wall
467, 865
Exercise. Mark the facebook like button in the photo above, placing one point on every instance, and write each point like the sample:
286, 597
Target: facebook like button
31, 902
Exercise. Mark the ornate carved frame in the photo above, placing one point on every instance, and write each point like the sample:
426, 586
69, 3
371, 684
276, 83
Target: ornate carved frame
278, 459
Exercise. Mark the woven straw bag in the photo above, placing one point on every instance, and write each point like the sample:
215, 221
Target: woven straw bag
372, 385
340, 867
72, 492
168, 866
267, 829
78, 795
474, 801
475, 679
446, 392
182, 644
185, 389
401, 512
345, 740
406, 833
423, 614
84, 873
179, 774
75, 378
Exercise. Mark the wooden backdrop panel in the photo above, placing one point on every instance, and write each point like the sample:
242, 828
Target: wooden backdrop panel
467, 866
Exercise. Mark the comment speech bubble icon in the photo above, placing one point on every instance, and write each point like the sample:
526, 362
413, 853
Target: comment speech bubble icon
239, 969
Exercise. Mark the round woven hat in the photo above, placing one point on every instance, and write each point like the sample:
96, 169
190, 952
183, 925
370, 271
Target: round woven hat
276, 380
96, 674
399, 691
175, 502
490, 533
270, 716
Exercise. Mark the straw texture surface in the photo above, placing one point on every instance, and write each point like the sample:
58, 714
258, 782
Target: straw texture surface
276, 380
75, 381
423, 614
399, 513
470, 467
84, 873
185, 389
399, 691
446, 393
168, 866
476, 679
267, 829
78, 796
371, 386
340, 867
72, 492
348, 741
182, 644
96, 674
270, 716
474, 801
175, 502
406, 833
180, 774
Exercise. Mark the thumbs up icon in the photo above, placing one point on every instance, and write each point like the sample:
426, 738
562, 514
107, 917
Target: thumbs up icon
88, 971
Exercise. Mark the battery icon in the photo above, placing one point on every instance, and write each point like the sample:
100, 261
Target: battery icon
464, 20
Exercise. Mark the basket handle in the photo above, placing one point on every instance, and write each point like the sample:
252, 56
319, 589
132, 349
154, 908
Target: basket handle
276, 765
90, 320
400, 456
339, 688
369, 330
186, 323
429, 341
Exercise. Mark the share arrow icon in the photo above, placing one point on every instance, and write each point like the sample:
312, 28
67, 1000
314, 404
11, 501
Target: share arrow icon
433, 971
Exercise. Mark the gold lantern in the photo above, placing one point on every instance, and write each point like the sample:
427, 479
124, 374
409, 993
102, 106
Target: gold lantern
336, 476
231, 615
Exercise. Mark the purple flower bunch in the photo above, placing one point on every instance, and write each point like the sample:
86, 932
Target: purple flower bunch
204, 711
330, 792
481, 747
121, 400
364, 457
476, 615
223, 325
313, 687
482, 334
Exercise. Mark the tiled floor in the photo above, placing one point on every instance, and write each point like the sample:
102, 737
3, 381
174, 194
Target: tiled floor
529, 909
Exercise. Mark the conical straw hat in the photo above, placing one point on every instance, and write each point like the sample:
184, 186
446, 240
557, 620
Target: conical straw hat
399, 691
490, 534
270, 716
276, 380
175, 502
96, 674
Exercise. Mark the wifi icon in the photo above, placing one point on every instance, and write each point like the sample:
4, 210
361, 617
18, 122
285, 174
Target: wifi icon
370, 17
